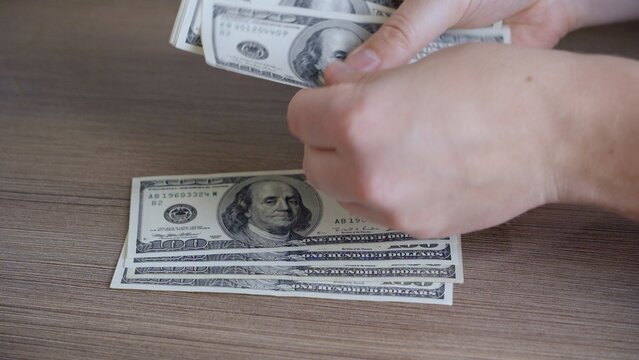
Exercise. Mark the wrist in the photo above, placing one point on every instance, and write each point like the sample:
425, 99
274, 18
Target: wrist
595, 160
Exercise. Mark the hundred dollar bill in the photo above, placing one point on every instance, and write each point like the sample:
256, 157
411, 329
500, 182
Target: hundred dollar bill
186, 34
443, 252
242, 213
392, 272
412, 292
293, 45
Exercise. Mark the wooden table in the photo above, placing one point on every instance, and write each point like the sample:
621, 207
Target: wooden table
91, 95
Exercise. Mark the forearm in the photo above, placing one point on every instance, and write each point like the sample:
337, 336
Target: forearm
600, 12
599, 161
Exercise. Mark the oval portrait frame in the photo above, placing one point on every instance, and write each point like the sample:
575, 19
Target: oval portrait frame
299, 43
310, 198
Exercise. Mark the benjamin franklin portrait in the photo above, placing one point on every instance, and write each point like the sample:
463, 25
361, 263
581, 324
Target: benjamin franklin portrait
321, 44
269, 212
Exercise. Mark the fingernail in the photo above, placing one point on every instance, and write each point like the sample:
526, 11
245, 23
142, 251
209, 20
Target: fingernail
363, 60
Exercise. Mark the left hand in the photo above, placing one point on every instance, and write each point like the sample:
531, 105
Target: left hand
462, 140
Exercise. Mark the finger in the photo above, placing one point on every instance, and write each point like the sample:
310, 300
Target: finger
415, 24
339, 72
328, 172
309, 120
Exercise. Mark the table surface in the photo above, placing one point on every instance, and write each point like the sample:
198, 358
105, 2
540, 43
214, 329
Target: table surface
92, 94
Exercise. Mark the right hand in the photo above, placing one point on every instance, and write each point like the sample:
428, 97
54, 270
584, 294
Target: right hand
533, 23
399, 149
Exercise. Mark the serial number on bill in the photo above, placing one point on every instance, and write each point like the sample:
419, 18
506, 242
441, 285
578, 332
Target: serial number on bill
182, 195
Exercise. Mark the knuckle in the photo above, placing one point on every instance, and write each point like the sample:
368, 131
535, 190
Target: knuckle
292, 114
398, 221
398, 32
415, 224
370, 189
351, 131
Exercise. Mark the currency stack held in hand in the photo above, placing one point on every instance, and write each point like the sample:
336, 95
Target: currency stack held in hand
273, 233
292, 41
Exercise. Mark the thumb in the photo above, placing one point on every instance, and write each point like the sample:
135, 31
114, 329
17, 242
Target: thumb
415, 24
340, 72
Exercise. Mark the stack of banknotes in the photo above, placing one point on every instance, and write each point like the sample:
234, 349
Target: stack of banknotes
292, 41
273, 233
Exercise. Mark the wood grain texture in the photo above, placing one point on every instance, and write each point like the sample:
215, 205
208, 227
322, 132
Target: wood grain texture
91, 95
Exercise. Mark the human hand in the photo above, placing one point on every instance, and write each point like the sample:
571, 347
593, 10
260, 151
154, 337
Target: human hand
533, 23
442, 146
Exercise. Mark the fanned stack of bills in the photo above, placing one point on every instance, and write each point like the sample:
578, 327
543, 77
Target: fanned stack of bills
272, 233
292, 41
